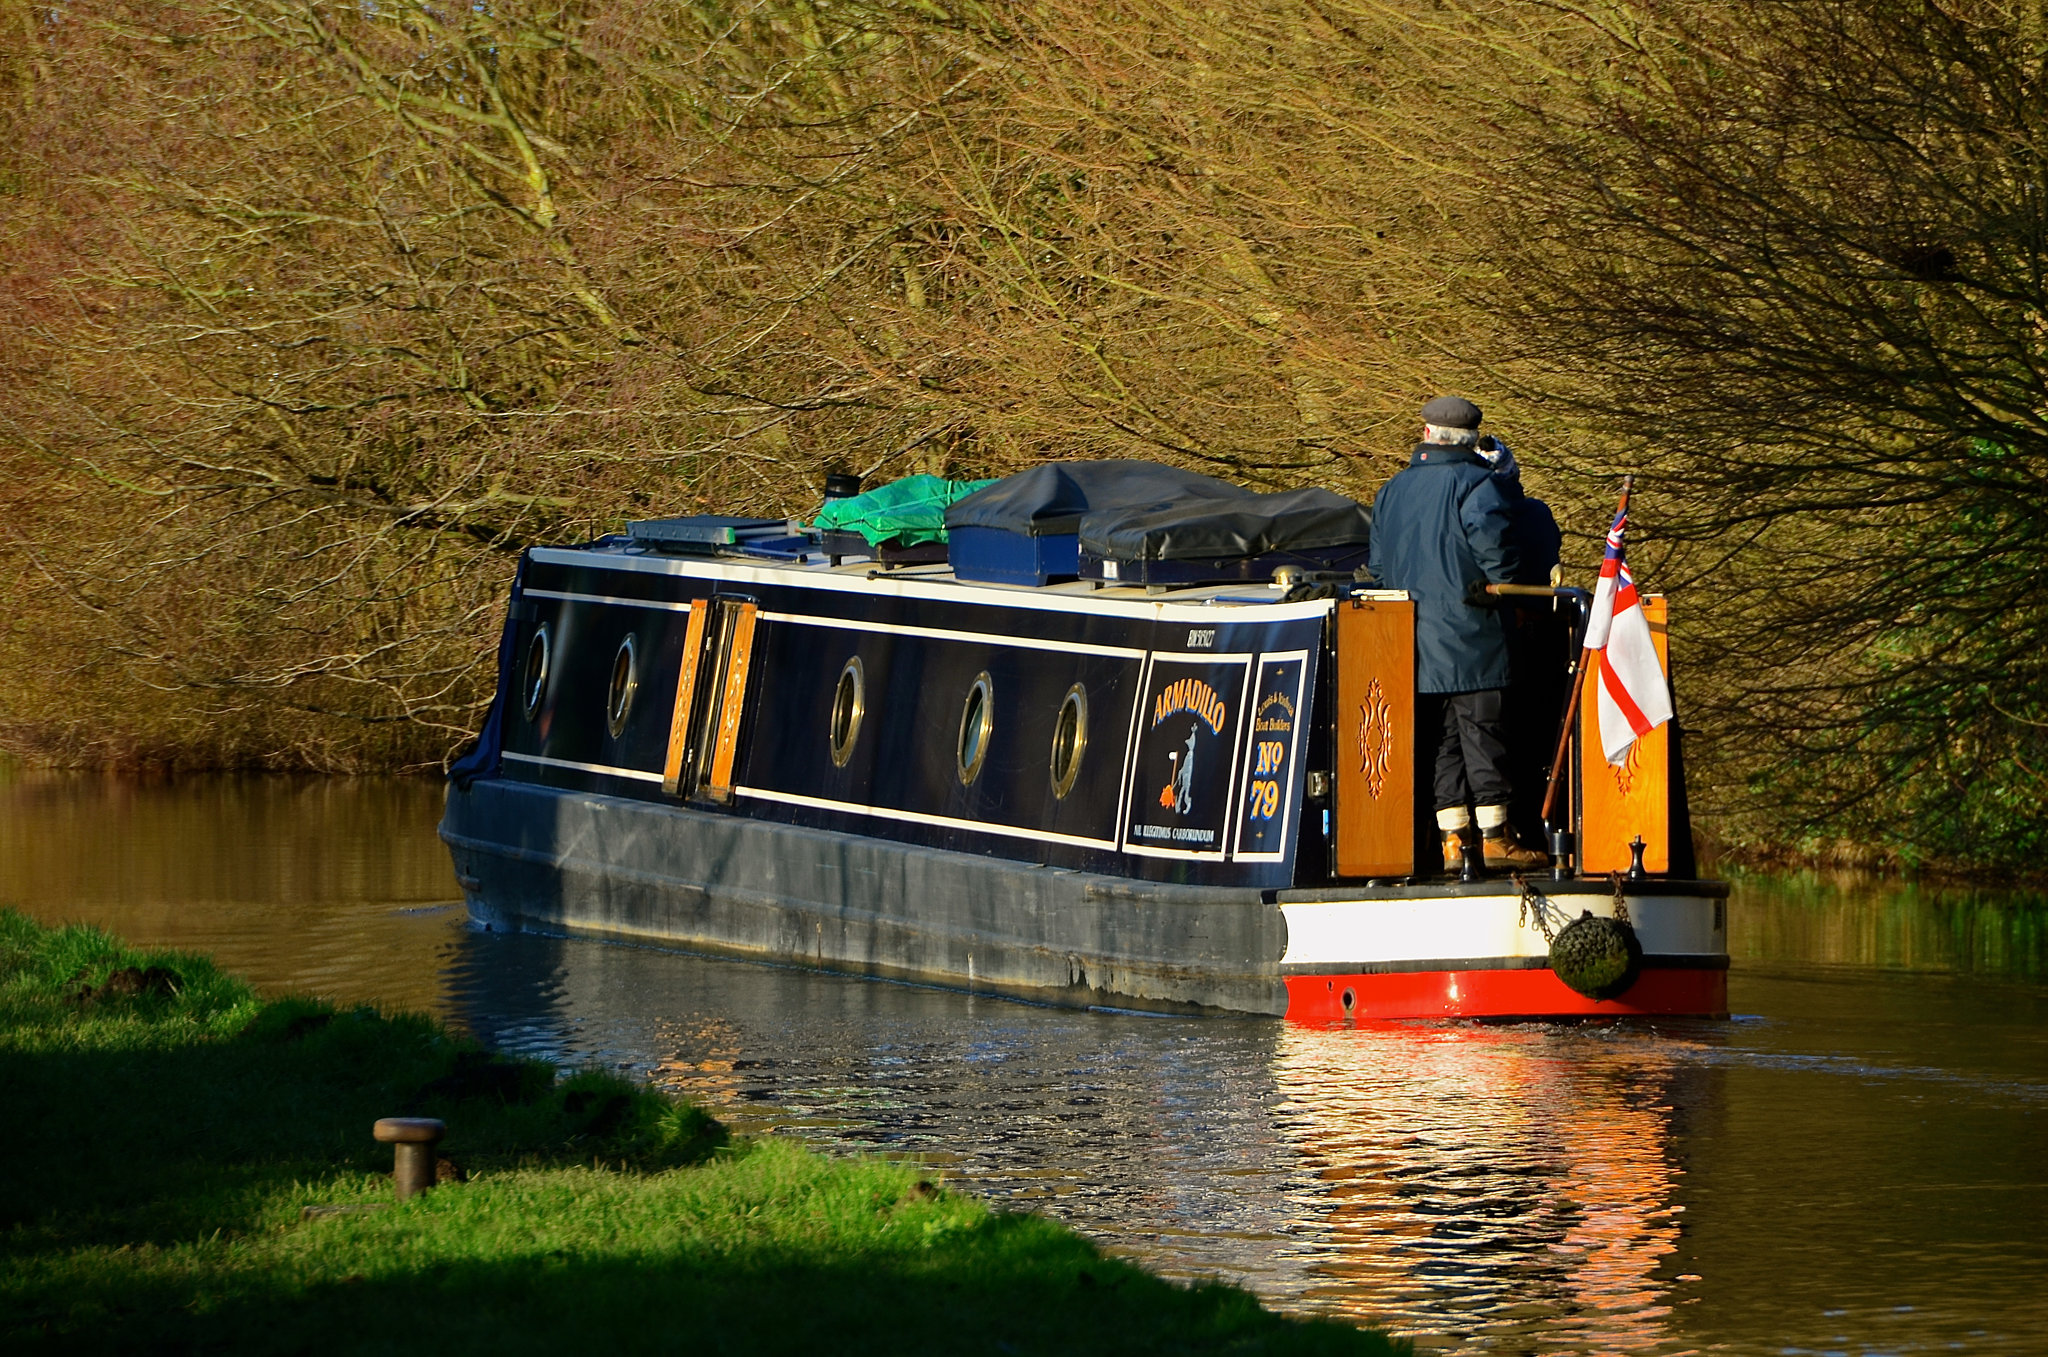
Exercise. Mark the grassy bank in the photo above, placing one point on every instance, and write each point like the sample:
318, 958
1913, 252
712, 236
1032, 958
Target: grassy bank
164, 1130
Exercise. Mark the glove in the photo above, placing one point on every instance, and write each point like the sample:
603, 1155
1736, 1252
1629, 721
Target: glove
1476, 595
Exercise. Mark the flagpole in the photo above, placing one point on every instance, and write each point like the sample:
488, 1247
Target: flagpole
1571, 706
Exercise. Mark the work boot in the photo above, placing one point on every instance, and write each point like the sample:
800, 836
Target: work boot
1456, 845
1505, 852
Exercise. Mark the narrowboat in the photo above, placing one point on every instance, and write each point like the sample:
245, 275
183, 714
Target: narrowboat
1127, 737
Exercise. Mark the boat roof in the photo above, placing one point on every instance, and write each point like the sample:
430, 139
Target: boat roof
856, 574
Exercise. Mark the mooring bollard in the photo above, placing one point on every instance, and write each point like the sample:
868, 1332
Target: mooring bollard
413, 1140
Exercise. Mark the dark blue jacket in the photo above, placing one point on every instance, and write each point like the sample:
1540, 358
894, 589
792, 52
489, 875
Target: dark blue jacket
1537, 538
1440, 528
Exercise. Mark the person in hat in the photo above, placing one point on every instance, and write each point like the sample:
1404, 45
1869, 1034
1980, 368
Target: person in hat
1442, 529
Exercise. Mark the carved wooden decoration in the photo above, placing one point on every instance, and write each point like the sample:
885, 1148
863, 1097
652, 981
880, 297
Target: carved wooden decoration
1635, 798
1374, 750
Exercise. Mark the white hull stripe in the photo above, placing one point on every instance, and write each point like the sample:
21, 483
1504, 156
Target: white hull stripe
633, 774
569, 596
1143, 851
916, 817
1363, 932
942, 634
1652, 961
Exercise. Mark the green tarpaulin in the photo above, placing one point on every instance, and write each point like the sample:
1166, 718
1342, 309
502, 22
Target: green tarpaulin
906, 512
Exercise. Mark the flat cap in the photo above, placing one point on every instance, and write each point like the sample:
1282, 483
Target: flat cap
1451, 412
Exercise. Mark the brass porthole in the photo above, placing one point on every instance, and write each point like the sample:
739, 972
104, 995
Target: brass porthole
849, 704
533, 680
618, 703
976, 720
1069, 740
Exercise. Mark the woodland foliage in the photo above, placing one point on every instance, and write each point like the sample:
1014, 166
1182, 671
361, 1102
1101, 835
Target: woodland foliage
1799, 256
316, 312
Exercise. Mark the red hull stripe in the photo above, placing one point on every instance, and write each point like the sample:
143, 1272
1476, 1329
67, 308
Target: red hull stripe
1670, 992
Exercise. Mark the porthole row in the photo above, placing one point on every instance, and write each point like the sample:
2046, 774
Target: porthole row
849, 710
535, 673
977, 727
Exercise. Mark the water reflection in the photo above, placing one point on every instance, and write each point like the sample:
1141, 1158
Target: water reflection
1464, 1184
1520, 1179
1846, 919
1139, 1127
331, 886
1856, 1165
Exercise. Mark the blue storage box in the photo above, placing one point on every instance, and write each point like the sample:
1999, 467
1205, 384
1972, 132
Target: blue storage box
798, 547
997, 556
1229, 570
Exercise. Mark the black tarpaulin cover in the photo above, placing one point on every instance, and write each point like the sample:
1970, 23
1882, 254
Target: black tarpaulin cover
1053, 498
1213, 530
1142, 511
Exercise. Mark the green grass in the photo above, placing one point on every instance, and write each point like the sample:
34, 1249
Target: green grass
156, 1151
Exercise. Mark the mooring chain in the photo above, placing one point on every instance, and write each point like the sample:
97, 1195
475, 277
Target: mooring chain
1536, 908
1533, 906
1620, 901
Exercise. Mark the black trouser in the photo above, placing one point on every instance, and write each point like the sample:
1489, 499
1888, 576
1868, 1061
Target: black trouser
1471, 752
1541, 648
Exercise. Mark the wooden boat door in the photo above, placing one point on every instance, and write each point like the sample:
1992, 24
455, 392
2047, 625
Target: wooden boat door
1374, 749
711, 697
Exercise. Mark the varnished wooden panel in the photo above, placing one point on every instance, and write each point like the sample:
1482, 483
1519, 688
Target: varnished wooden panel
739, 656
1621, 803
1375, 746
686, 696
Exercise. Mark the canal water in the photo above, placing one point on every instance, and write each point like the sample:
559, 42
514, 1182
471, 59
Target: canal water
1857, 1163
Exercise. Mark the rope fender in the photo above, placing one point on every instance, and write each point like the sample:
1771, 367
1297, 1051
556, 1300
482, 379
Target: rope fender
1594, 956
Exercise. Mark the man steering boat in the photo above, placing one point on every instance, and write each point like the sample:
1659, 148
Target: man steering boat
1443, 529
